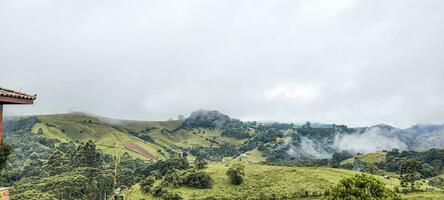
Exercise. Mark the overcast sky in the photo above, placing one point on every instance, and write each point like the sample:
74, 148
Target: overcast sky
345, 62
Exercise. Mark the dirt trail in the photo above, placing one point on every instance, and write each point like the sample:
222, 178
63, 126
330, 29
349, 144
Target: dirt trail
138, 149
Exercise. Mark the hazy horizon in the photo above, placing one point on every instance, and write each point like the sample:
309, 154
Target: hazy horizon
8, 114
348, 62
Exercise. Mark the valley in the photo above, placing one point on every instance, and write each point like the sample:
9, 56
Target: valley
279, 160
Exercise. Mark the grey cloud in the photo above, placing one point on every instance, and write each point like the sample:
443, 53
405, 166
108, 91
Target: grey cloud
369, 61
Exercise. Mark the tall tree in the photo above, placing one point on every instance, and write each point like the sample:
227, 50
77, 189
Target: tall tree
56, 164
411, 172
362, 187
87, 155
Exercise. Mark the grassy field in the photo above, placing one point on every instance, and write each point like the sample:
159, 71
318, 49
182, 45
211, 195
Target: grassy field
368, 158
81, 127
424, 196
253, 156
264, 180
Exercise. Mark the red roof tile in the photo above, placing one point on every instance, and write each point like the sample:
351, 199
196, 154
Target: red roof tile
14, 94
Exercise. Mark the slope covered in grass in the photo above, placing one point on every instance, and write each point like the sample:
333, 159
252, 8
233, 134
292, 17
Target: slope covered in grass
148, 140
80, 127
374, 157
262, 181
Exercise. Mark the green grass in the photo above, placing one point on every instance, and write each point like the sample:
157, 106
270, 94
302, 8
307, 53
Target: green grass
77, 127
424, 196
368, 158
264, 179
253, 156
110, 135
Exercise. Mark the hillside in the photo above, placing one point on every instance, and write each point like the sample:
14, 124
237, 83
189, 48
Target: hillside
290, 160
374, 157
264, 181
153, 140
147, 140
109, 138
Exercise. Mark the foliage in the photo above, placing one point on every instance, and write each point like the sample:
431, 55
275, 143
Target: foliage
436, 182
410, 172
197, 179
163, 166
433, 158
215, 153
236, 129
147, 183
206, 119
87, 155
171, 196
200, 163
235, 174
5, 151
360, 187
338, 157
38, 168
75, 184
158, 190
263, 182
142, 136
35, 195
172, 179
56, 164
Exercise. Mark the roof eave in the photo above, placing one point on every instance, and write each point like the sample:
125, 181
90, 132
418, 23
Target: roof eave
11, 100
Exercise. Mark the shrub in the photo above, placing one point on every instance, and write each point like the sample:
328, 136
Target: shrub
360, 186
167, 195
200, 163
235, 174
156, 174
172, 179
197, 179
5, 151
147, 183
436, 182
157, 191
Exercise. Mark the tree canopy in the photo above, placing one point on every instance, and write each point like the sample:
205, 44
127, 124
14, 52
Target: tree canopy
360, 187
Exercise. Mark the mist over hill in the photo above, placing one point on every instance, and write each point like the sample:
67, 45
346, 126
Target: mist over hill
309, 140
210, 135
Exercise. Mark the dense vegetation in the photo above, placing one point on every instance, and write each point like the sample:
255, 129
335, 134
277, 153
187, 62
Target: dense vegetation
41, 168
76, 156
360, 186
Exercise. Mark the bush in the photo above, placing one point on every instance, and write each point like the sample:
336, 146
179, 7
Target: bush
362, 187
436, 182
197, 179
172, 179
156, 174
235, 174
167, 195
5, 151
157, 191
147, 183
163, 166
200, 163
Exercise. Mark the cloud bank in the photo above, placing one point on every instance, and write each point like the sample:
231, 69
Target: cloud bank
344, 62
372, 140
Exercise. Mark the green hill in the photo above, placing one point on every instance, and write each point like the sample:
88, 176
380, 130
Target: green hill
368, 158
278, 181
235, 142
148, 140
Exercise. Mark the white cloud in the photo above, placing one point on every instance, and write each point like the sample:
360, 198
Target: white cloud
290, 91
352, 62
371, 140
